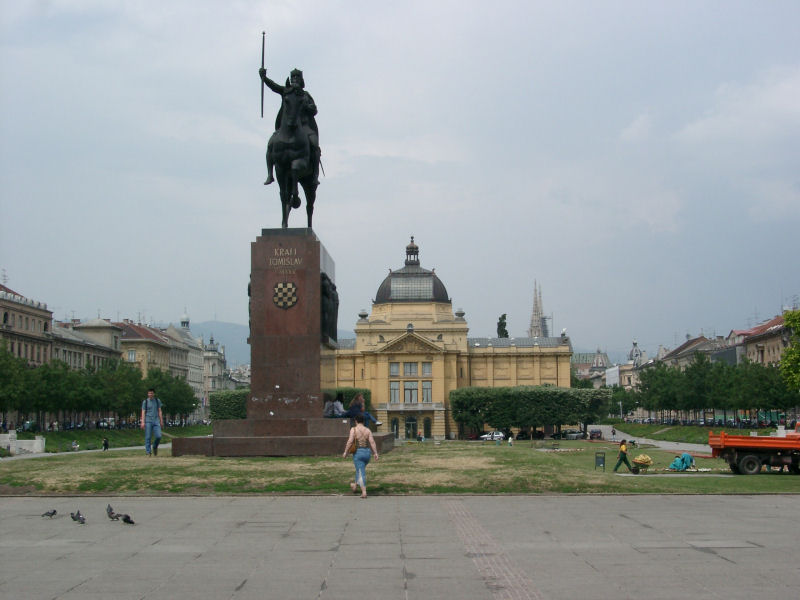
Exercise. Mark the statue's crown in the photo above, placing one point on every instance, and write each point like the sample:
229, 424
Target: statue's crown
299, 75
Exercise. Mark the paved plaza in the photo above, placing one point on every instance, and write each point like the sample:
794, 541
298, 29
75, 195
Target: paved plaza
463, 547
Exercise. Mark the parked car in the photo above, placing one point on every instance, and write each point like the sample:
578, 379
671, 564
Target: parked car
493, 435
523, 435
595, 434
573, 434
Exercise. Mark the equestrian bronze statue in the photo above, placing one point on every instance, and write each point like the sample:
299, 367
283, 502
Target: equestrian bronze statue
293, 150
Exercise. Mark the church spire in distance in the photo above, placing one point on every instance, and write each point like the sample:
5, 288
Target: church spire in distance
538, 326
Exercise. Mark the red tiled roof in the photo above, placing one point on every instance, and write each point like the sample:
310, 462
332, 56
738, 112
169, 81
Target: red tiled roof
685, 346
760, 328
133, 331
767, 328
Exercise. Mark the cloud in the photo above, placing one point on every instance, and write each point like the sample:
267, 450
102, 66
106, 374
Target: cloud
190, 126
638, 130
775, 200
600, 199
762, 111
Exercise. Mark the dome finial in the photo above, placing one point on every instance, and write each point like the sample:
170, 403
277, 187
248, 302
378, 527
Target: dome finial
412, 253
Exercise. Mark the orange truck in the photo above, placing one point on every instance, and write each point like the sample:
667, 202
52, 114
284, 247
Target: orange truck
747, 454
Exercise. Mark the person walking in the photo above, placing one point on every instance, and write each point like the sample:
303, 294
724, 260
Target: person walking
365, 447
623, 456
152, 421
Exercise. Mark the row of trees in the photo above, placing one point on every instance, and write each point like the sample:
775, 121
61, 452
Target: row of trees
53, 391
706, 385
526, 407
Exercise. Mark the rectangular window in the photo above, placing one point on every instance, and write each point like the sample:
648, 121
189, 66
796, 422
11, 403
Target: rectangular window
394, 369
410, 369
427, 391
131, 355
410, 392
394, 392
427, 369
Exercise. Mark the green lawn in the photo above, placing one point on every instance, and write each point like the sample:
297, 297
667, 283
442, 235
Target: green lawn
61, 441
692, 434
413, 468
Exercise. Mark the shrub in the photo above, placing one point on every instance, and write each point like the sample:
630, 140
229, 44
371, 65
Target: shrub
228, 404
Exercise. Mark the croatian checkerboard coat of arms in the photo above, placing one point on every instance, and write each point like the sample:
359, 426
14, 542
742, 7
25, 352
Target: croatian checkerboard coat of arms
284, 294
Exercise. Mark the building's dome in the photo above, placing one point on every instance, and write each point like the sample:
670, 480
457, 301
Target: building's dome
412, 283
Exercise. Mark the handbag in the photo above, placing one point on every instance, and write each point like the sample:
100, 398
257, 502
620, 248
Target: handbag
351, 449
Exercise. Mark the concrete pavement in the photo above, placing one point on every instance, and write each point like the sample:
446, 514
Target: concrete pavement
465, 547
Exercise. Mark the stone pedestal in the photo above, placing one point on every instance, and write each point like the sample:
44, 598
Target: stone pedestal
286, 344
291, 357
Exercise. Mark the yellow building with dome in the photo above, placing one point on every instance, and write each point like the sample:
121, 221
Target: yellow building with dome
412, 350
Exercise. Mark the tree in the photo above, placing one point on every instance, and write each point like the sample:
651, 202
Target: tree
619, 400
698, 379
660, 387
469, 407
574, 382
501, 410
502, 332
526, 406
13, 372
176, 395
790, 359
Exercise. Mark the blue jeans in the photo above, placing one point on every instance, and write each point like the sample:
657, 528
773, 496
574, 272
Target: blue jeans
151, 430
367, 417
361, 460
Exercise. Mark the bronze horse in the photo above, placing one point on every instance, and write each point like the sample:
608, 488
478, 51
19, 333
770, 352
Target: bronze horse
295, 163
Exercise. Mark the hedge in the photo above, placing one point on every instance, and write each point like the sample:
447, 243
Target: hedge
228, 404
525, 406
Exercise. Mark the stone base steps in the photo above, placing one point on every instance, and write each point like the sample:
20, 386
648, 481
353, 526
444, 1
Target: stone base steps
276, 437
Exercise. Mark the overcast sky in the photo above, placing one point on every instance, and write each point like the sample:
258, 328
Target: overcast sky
639, 160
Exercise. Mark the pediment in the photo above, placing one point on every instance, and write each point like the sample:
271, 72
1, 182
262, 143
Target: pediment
411, 343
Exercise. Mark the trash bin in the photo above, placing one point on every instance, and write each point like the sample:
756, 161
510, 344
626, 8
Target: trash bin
600, 460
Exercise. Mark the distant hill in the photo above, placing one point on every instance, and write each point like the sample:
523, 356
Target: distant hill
234, 337
231, 335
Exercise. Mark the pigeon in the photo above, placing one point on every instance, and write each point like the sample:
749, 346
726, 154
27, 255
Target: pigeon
73, 516
111, 514
78, 517
127, 519
50, 513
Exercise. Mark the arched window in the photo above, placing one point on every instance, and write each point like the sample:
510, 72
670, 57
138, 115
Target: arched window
426, 427
5, 318
396, 428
